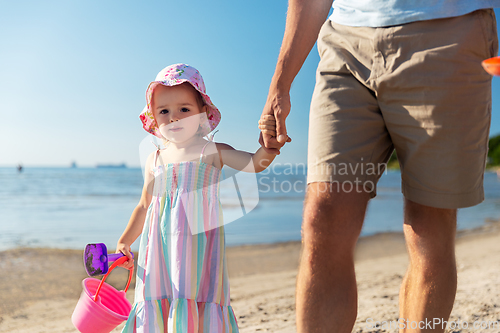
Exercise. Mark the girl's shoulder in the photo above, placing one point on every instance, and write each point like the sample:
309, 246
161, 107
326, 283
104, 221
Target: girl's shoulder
151, 158
223, 146
211, 154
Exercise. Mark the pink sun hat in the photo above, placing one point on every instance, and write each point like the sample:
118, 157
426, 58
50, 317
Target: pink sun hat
174, 75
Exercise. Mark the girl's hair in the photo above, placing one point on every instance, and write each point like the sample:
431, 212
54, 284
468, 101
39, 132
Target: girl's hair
199, 100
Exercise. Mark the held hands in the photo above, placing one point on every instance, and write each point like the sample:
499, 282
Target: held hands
272, 122
267, 125
125, 249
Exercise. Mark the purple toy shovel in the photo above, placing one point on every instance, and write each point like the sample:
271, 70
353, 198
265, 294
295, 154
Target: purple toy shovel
96, 259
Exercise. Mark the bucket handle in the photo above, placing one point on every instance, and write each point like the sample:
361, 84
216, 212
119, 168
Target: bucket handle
116, 263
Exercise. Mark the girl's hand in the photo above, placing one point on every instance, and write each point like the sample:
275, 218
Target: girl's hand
267, 125
125, 249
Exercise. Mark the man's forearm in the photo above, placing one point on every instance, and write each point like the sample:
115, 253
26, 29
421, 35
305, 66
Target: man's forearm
303, 22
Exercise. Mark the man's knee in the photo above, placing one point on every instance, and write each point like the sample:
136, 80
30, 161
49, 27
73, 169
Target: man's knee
430, 234
318, 204
421, 216
332, 215
424, 222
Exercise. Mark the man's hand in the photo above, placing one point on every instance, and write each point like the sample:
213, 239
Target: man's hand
267, 126
273, 134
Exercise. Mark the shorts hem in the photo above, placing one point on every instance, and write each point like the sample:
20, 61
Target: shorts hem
443, 200
372, 189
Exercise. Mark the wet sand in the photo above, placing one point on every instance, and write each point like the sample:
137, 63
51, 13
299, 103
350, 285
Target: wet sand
39, 288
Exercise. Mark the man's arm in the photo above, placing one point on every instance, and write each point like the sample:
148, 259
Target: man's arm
303, 22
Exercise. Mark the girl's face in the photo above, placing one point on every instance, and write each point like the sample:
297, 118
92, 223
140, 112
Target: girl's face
177, 111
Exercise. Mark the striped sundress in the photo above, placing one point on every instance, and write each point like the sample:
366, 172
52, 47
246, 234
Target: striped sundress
182, 281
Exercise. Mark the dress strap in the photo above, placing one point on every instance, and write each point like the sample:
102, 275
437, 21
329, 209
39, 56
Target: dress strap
157, 153
203, 150
156, 156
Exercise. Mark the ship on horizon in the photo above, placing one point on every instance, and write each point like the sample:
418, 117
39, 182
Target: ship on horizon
122, 165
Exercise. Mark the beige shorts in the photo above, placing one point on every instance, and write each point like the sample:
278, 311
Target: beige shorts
418, 88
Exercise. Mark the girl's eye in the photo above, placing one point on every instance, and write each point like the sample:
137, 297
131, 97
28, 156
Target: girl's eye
164, 111
185, 110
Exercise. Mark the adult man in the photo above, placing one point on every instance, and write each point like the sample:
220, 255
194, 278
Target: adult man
393, 74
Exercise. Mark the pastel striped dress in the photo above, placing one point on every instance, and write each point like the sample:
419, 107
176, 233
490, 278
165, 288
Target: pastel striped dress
182, 282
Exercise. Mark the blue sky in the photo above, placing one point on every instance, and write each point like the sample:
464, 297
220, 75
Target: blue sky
74, 74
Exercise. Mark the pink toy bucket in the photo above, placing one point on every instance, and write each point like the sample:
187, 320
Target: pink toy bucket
101, 307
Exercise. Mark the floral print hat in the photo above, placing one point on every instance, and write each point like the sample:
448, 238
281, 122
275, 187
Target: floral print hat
171, 76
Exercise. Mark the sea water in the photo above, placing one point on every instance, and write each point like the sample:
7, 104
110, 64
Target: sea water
70, 207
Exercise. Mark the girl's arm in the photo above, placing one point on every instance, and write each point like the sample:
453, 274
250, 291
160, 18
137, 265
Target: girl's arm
136, 222
242, 160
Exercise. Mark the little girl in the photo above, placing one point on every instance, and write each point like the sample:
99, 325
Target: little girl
182, 281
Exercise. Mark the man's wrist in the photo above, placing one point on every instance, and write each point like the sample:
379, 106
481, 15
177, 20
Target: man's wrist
278, 93
280, 84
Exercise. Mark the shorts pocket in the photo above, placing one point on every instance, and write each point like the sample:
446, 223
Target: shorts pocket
324, 32
489, 28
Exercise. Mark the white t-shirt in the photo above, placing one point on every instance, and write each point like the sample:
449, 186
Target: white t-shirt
382, 13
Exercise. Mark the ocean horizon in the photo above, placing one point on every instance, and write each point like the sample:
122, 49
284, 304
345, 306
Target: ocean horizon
67, 208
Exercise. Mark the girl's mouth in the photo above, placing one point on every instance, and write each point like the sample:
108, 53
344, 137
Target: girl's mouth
176, 129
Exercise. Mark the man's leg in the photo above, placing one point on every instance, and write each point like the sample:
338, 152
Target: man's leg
429, 287
326, 297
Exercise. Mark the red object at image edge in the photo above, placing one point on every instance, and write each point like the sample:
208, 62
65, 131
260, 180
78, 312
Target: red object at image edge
492, 66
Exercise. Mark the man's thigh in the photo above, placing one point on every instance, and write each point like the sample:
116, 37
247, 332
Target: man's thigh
348, 140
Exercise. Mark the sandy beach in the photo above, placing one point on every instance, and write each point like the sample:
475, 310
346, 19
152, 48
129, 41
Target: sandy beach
39, 288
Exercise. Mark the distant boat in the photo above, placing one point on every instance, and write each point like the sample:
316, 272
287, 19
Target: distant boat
19, 168
73, 164
123, 165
